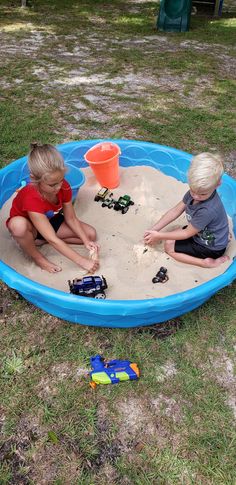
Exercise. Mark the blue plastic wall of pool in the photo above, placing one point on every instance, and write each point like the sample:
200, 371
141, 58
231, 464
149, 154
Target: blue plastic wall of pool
115, 313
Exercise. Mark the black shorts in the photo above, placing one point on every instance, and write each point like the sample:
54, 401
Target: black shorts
55, 221
190, 247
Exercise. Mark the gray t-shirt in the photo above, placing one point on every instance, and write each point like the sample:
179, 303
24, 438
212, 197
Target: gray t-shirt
210, 218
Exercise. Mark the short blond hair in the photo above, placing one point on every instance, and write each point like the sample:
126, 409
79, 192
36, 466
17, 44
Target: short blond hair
205, 171
43, 160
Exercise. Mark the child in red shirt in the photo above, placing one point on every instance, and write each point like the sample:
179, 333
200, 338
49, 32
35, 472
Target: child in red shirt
36, 214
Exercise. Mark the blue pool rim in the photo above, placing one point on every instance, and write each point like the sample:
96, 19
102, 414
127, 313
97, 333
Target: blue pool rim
116, 313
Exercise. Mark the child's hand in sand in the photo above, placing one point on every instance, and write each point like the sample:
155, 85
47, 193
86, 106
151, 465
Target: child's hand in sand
93, 253
92, 247
90, 265
151, 237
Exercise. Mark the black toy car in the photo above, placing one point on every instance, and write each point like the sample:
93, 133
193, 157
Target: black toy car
102, 194
161, 276
123, 203
92, 286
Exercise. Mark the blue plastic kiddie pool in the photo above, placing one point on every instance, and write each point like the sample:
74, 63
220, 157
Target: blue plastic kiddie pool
115, 313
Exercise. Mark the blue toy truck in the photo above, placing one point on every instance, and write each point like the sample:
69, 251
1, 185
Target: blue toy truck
112, 372
92, 286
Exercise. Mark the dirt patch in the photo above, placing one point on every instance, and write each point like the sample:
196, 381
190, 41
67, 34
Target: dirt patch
223, 372
25, 47
2, 418
97, 94
230, 163
47, 388
108, 475
15, 451
167, 406
165, 371
149, 421
48, 462
109, 449
7, 298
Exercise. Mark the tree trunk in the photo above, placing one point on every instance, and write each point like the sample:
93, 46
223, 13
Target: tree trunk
23, 3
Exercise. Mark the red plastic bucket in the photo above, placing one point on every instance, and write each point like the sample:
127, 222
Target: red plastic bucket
103, 159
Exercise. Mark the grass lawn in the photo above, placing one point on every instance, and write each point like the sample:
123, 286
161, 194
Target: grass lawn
97, 69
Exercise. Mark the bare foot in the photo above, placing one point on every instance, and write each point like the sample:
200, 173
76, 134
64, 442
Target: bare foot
48, 266
213, 263
91, 265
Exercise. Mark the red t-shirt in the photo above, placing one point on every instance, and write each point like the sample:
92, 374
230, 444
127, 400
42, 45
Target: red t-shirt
29, 199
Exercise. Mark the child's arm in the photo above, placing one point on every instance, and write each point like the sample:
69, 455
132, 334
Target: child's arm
169, 216
151, 235
177, 235
42, 224
73, 222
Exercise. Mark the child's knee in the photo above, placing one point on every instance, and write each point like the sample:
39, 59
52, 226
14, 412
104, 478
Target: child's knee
92, 233
18, 226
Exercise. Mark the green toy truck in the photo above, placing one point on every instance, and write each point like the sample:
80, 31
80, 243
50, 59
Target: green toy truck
123, 203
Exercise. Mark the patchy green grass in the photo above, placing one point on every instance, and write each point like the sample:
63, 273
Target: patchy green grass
20, 124
174, 424
71, 70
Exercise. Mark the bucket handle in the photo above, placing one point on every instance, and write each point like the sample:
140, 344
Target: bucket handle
106, 146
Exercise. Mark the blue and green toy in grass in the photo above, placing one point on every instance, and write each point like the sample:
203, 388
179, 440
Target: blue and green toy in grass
112, 372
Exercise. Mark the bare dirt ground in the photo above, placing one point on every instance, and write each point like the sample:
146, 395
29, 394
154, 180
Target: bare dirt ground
80, 82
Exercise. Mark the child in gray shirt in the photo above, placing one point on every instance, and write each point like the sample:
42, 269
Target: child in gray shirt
203, 241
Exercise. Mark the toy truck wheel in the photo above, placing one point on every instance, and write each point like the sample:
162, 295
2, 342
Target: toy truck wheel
103, 205
116, 206
96, 198
131, 202
125, 210
100, 296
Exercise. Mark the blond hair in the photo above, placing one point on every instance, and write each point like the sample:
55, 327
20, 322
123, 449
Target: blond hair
205, 172
43, 160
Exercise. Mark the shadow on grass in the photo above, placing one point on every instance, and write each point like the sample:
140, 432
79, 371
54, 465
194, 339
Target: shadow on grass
119, 16
96, 15
162, 330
